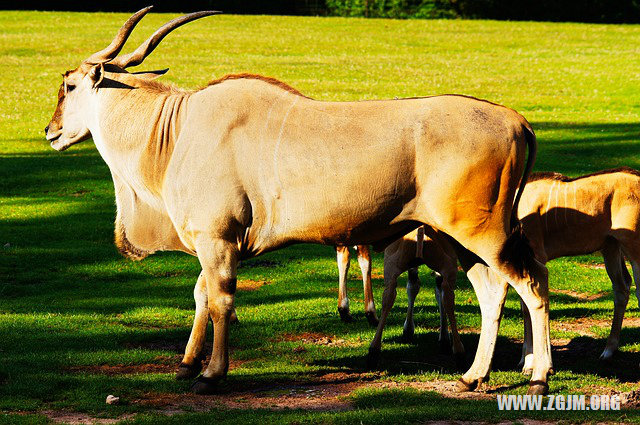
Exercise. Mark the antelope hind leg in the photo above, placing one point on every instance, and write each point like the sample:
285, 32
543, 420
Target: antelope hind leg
491, 292
219, 260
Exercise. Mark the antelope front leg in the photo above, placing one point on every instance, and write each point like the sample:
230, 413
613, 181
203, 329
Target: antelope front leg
194, 353
342, 253
219, 261
364, 260
492, 293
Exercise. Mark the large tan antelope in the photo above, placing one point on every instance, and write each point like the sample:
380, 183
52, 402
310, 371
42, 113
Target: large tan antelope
561, 217
248, 164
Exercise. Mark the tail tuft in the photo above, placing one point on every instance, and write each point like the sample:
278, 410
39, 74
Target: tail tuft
518, 252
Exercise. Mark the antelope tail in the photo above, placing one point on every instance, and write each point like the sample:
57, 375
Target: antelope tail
517, 250
530, 137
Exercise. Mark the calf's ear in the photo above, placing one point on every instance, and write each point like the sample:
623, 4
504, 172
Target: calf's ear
96, 74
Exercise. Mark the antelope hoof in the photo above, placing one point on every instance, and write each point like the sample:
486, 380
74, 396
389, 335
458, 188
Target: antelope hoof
204, 385
373, 358
371, 318
538, 388
345, 316
462, 386
186, 371
407, 336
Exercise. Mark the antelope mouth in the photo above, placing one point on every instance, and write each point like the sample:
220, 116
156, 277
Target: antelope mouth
58, 146
60, 143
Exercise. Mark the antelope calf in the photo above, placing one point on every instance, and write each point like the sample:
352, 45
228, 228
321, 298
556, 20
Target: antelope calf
564, 216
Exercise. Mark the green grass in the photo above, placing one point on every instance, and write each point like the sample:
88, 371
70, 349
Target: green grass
68, 301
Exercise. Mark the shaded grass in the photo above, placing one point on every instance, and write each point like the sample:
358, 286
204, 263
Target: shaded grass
68, 300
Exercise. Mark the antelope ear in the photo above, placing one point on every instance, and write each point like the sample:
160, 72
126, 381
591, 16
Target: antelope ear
150, 75
96, 74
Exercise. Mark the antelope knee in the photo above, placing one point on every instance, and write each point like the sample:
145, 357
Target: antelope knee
200, 295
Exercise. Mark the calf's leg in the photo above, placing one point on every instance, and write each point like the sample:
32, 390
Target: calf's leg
621, 283
413, 288
388, 298
443, 337
364, 260
448, 301
342, 253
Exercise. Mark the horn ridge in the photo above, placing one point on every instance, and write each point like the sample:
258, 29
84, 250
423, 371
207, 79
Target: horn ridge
121, 37
136, 57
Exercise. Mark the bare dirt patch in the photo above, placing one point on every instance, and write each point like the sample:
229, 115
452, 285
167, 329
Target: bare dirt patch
581, 295
112, 370
316, 338
251, 285
76, 418
583, 325
593, 266
165, 364
323, 393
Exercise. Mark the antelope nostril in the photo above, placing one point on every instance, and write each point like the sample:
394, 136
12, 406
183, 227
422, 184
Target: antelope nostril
46, 129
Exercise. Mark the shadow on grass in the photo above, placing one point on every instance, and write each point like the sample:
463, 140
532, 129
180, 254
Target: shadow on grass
580, 355
579, 148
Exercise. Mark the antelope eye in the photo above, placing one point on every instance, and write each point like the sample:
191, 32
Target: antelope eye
70, 87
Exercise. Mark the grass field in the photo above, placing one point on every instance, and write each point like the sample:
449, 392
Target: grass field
78, 322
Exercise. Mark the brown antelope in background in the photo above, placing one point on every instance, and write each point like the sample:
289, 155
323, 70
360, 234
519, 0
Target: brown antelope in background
364, 260
248, 165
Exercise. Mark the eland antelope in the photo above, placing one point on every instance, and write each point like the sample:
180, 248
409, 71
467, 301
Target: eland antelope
248, 164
